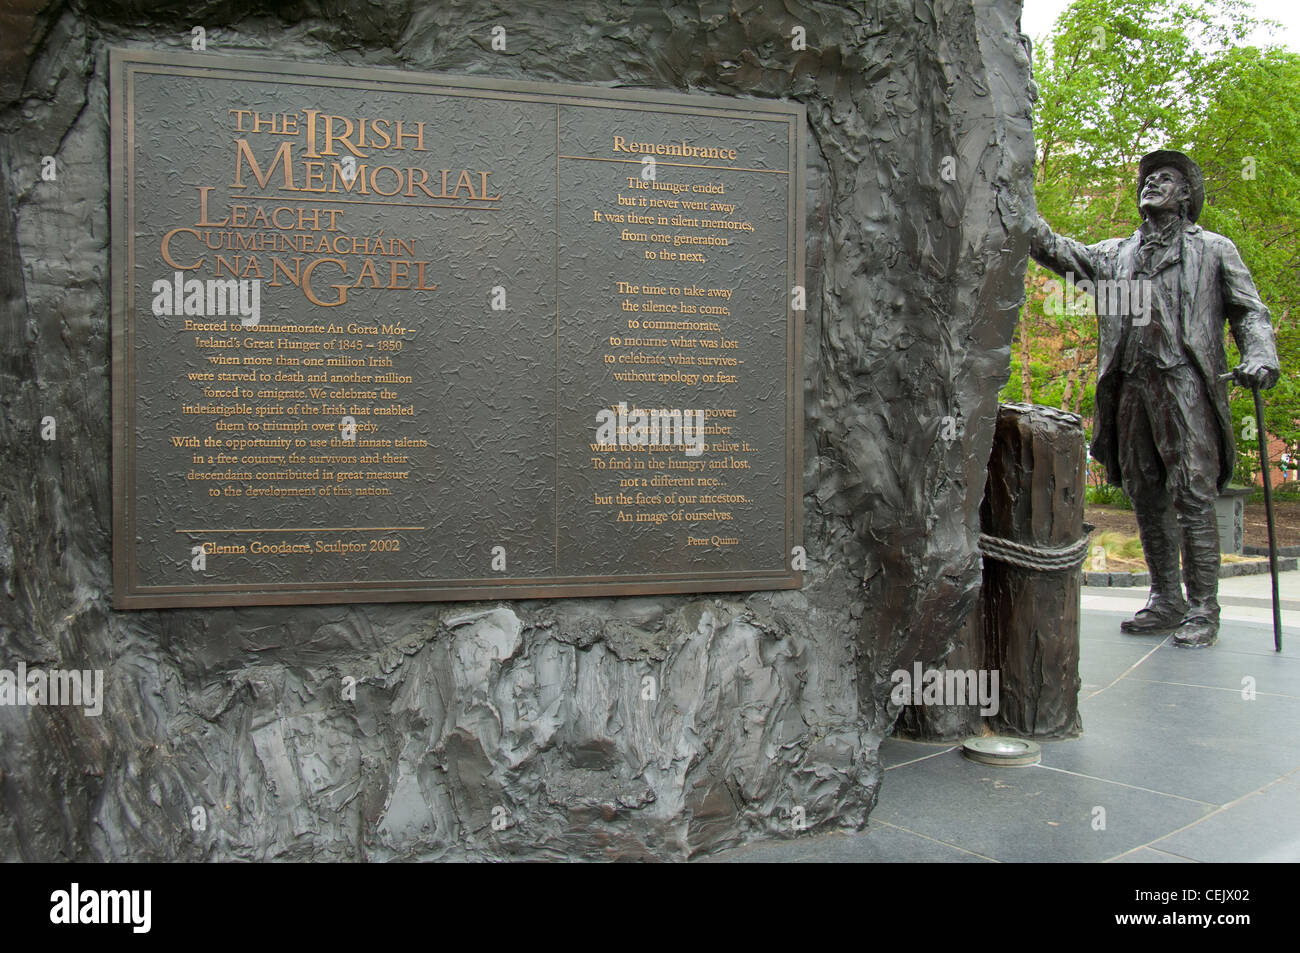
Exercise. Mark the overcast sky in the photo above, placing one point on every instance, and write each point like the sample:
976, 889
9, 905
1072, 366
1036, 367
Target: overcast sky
1039, 16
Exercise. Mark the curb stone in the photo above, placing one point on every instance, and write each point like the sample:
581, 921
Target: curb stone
1226, 571
1263, 551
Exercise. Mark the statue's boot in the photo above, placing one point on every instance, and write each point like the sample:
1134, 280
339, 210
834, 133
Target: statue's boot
1165, 607
1200, 625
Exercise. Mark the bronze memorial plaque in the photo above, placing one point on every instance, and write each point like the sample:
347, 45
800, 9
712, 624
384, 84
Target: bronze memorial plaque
381, 335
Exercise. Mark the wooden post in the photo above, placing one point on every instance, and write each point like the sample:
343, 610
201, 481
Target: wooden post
1034, 495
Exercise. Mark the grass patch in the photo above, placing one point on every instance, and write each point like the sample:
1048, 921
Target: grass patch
1282, 492
1123, 553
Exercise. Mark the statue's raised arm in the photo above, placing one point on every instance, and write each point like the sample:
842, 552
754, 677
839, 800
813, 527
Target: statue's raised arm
1068, 258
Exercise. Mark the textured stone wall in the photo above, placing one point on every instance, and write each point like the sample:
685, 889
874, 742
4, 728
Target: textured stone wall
530, 711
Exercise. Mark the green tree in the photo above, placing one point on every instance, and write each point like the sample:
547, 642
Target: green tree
1245, 141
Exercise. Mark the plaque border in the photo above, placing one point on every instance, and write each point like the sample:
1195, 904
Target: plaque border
124, 62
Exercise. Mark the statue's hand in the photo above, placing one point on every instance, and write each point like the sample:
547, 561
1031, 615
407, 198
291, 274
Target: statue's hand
1256, 374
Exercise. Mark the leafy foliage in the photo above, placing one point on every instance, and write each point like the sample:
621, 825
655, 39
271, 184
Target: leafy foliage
1108, 495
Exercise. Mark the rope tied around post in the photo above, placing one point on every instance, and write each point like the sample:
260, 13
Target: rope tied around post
1034, 558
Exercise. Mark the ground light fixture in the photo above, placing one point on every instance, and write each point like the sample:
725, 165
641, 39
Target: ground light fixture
999, 750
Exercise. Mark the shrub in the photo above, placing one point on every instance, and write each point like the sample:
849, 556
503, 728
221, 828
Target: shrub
1107, 495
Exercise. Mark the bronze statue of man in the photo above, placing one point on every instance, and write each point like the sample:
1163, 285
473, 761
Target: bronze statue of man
1161, 423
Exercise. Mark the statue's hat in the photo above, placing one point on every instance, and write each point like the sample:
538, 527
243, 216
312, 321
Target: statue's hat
1190, 170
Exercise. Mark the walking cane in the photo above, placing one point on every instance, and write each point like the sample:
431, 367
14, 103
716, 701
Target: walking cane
1268, 508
